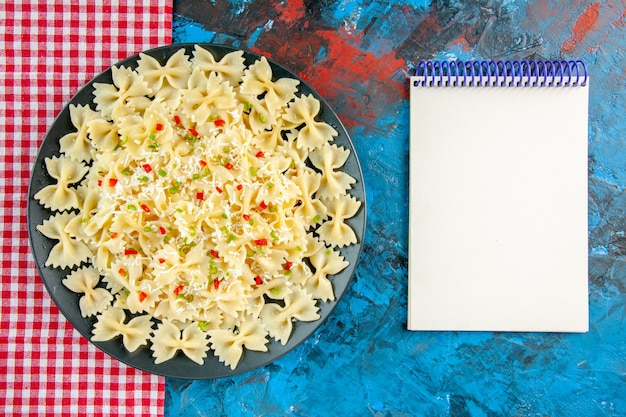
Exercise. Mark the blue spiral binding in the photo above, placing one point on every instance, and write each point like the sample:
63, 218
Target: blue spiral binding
487, 73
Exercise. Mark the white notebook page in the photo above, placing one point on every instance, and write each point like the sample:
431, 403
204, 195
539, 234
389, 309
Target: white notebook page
498, 209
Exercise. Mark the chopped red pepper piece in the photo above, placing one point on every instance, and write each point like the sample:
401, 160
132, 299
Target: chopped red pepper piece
130, 252
162, 230
218, 189
260, 154
142, 296
161, 260
159, 126
122, 271
219, 122
145, 208
178, 289
260, 242
193, 132
147, 168
288, 265
216, 283
258, 280
200, 195
112, 182
202, 163
262, 206
239, 187
113, 235
228, 166
99, 183
214, 253
176, 119
245, 216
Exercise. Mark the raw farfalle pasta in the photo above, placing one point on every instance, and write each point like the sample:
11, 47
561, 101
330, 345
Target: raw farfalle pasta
199, 205
299, 305
61, 196
325, 263
230, 67
76, 145
128, 94
310, 208
173, 74
84, 281
229, 345
336, 232
258, 80
69, 251
168, 339
329, 159
313, 134
112, 323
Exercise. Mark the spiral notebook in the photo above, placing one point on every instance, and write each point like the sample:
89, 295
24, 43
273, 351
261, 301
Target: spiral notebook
498, 196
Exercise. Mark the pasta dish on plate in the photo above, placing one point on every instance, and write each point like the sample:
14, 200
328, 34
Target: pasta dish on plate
198, 206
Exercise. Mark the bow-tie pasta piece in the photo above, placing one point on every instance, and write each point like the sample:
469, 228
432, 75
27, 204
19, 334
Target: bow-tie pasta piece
111, 323
142, 133
136, 332
228, 343
259, 114
232, 296
298, 156
336, 232
266, 287
311, 209
68, 252
230, 67
208, 98
328, 159
325, 262
168, 339
61, 196
103, 134
278, 320
84, 281
313, 134
110, 281
76, 226
258, 80
173, 74
127, 94
77, 145
266, 140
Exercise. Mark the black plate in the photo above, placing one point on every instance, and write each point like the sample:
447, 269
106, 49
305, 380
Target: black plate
180, 366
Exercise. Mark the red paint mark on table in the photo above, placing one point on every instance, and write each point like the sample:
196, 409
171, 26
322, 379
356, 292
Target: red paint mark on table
461, 42
360, 83
584, 23
352, 76
621, 21
292, 11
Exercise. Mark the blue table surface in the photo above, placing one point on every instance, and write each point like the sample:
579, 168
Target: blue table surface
362, 361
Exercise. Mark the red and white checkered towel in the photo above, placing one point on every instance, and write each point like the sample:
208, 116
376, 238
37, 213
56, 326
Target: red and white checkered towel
49, 50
